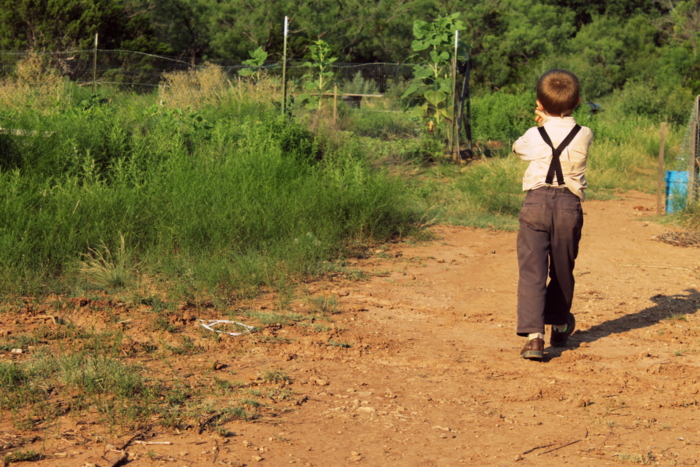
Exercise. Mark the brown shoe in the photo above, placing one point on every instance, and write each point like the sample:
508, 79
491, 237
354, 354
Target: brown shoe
558, 339
534, 349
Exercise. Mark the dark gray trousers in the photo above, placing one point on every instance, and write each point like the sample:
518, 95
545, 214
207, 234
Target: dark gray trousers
550, 230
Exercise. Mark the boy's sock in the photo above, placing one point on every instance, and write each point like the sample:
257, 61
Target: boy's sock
560, 327
535, 335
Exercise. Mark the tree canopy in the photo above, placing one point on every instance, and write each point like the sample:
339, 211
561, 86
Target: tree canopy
607, 43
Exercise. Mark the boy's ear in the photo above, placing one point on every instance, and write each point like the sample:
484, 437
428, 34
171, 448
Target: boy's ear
539, 105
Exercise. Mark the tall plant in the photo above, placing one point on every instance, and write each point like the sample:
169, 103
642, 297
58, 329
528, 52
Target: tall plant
320, 76
254, 65
430, 92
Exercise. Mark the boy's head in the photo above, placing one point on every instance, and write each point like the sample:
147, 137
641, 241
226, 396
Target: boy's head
558, 92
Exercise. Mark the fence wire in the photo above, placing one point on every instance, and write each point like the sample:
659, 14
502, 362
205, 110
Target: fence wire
138, 69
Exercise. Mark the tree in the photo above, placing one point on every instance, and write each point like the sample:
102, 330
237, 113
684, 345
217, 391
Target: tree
72, 24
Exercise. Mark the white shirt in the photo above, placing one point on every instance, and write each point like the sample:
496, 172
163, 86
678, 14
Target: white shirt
531, 147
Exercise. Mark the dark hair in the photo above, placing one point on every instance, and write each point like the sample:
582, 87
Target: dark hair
558, 92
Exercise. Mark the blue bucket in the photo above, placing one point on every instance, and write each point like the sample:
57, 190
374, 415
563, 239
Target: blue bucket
676, 190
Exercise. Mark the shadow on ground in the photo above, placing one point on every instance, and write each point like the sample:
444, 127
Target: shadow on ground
666, 306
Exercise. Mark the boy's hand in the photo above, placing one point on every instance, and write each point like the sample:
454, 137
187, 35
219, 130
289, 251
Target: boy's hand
539, 114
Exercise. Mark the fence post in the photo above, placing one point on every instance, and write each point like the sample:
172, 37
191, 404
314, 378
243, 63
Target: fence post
660, 185
335, 103
94, 66
692, 168
456, 155
284, 68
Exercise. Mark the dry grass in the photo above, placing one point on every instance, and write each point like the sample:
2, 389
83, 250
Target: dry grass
210, 85
35, 83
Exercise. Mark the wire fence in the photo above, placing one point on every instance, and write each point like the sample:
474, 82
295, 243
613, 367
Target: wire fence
689, 159
143, 70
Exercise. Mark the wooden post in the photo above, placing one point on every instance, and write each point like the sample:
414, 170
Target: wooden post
94, 66
692, 164
335, 103
284, 68
660, 208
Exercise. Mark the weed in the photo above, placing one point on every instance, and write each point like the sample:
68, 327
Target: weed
22, 456
159, 322
344, 345
324, 304
104, 269
645, 459
274, 376
279, 394
186, 347
249, 402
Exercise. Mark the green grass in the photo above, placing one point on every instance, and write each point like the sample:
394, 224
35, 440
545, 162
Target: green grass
225, 203
227, 198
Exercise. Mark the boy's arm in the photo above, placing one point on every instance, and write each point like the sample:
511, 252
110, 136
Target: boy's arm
523, 146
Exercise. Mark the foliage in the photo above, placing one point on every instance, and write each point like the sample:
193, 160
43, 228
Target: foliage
430, 92
512, 41
360, 85
218, 198
68, 24
254, 64
320, 76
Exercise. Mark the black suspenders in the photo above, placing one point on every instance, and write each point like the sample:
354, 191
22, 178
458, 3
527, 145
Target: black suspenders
555, 165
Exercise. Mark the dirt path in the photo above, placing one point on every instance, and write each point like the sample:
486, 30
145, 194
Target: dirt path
432, 375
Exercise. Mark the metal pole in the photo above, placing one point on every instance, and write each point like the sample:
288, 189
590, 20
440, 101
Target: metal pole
660, 184
456, 154
284, 68
94, 66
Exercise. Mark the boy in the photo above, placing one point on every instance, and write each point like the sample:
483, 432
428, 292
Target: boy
551, 216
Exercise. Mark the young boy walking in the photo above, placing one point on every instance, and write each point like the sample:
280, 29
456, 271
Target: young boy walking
551, 217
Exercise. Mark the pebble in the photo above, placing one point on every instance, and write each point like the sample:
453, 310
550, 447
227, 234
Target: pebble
257, 458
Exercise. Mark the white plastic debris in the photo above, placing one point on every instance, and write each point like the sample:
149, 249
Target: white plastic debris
211, 323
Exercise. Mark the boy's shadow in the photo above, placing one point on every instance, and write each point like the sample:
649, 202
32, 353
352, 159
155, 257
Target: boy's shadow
666, 306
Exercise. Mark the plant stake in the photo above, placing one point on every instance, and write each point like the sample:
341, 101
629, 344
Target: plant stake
284, 67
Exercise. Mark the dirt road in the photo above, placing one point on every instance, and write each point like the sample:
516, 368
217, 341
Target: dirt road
421, 366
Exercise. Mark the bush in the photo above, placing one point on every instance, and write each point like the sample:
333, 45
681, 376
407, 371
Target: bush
502, 117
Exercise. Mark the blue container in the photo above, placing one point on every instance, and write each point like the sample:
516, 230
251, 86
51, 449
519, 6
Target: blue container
676, 190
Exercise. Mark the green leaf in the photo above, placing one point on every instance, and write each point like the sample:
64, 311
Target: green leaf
413, 87
418, 111
417, 45
418, 29
435, 97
